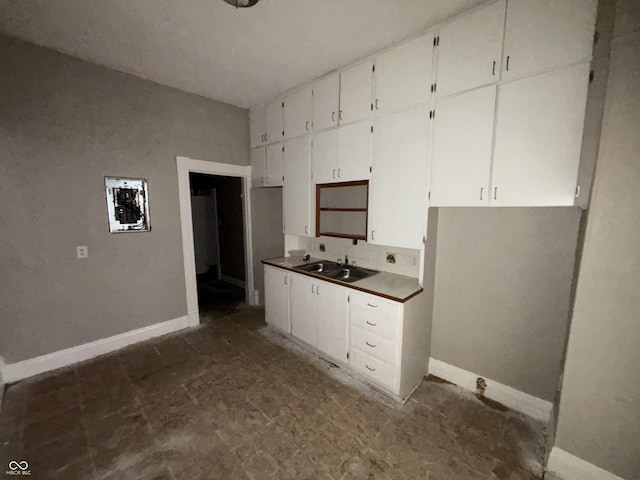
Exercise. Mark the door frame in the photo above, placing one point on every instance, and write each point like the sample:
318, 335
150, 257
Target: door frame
186, 166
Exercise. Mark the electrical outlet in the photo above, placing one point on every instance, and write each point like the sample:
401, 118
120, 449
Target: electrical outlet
391, 258
82, 251
322, 247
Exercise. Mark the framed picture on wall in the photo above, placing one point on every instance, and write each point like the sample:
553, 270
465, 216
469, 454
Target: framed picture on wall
127, 204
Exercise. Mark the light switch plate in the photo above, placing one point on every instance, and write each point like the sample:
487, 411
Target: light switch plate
82, 251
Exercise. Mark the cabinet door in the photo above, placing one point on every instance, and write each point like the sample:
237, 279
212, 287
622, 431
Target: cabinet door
325, 157
274, 121
541, 34
326, 102
403, 75
470, 50
257, 125
398, 189
276, 298
332, 320
297, 113
355, 143
461, 154
258, 167
275, 167
303, 301
356, 84
538, 138
296, 194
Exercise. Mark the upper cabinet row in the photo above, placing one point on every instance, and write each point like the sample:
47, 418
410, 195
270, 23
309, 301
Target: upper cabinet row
501, 41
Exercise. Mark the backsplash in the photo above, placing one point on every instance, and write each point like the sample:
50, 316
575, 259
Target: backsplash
364, 254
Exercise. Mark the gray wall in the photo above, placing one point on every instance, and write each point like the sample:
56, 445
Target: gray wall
599, 417
64, 125
502, 293
268, 239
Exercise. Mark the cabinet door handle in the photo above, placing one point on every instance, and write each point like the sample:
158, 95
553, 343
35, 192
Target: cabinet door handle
376, 104
266, 180
372, 324
306, 125
493, 70
262, 180
481, 190
373, 236
286, 280
318, 290
339, 175
306, 229
340, 115
334, 173
374, 306
312, 289
333, 116
508, 57
495, 193
369, 345
369, 368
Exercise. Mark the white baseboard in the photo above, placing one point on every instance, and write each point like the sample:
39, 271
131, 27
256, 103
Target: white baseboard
232, 281
14, 372
515, 399
569, 467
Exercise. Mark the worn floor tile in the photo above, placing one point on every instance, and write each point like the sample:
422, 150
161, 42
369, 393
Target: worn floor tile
233, 399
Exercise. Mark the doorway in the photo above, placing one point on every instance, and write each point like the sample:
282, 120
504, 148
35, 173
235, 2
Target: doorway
218, 236
186, 166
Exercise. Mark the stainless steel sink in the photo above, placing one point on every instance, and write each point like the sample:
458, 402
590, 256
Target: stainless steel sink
321, 267
351, 274
344, 273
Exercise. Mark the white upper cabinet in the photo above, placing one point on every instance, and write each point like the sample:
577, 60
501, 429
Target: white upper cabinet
296, 194
404, 75
257, 125
356, 85
538, 138
355, 144
326, 102
325, 157
543, 34
297, 113
275, 165
258, 167
462, 146
398, 190
470, 50
274, 121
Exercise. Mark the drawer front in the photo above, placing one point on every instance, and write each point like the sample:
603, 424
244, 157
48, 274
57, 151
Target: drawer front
371, 367
375, 304
373, 322
373, 345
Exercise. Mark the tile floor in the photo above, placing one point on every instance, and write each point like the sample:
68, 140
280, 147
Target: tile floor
234, 400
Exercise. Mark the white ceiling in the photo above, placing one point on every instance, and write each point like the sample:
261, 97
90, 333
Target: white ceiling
208, 47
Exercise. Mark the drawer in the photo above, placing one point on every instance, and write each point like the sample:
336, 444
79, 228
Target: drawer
375, 304
373, 345
374, 322
371, 367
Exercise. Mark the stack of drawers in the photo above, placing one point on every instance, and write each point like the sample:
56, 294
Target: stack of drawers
375, 334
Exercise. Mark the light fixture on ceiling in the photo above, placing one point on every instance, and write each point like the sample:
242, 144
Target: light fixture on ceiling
242, 3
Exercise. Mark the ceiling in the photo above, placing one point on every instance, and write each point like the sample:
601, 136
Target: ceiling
209, 48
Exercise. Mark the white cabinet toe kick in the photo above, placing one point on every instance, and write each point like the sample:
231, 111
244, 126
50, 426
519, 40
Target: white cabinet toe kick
385, 342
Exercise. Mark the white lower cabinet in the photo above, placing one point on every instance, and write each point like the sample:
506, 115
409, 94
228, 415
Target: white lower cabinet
385, 341
319, 315
276, 291
389, 342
